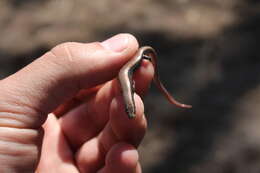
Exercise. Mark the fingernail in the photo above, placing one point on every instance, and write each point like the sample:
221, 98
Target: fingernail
130, 153
116, 43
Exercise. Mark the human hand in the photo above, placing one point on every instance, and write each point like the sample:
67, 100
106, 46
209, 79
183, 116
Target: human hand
87, 129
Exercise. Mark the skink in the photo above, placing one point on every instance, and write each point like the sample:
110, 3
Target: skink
127, 84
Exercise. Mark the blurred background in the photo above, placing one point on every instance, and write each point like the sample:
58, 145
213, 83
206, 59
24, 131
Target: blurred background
208, 57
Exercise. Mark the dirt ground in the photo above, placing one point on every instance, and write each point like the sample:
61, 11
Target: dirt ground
208, 57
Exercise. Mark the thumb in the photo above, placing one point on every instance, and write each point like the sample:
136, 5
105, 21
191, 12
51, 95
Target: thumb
33, 92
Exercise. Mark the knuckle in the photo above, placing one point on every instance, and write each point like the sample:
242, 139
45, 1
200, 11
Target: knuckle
65, 50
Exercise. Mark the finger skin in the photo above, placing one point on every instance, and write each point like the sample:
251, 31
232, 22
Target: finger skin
138, 169
128, 130
143, 77
56, 153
